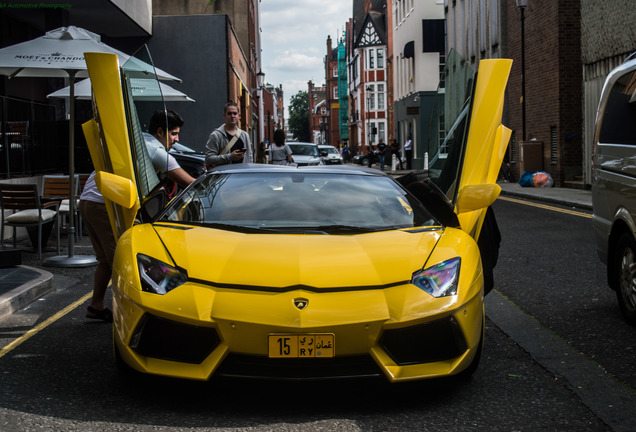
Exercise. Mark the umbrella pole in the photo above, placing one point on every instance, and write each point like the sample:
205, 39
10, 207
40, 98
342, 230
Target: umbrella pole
71, 260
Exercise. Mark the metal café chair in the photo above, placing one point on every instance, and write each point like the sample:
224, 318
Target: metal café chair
56, 188
27, 212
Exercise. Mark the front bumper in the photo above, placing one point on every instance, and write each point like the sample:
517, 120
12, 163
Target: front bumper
198, 331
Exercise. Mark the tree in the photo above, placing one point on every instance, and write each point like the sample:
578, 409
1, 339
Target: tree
299, 116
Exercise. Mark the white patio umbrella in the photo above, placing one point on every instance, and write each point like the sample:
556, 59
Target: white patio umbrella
141, 88
60, 53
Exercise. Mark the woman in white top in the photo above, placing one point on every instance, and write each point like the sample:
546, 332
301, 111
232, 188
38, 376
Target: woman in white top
280, 153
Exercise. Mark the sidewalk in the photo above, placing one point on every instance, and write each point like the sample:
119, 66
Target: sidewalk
20, 285
579, 198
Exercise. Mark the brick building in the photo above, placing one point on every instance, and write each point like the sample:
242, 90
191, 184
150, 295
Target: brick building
318, 112
553, 90
330, 128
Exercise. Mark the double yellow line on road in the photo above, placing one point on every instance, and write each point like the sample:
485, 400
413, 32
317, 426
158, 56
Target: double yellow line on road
546, 207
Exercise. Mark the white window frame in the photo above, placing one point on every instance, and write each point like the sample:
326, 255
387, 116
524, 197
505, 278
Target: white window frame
381, 100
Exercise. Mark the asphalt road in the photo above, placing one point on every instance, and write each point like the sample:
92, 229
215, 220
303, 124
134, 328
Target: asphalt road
556, 358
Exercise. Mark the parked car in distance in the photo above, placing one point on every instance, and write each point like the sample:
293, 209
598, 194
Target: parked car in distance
305, 154
366, 159
330, 155
613, 187
190, 160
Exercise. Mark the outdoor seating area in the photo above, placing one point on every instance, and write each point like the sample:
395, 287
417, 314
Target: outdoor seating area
41, 207
22, 207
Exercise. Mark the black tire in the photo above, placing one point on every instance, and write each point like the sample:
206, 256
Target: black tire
625, 266
365, 161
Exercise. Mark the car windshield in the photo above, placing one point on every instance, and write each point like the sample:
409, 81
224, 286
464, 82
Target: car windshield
327, 203
304, 149
330, 150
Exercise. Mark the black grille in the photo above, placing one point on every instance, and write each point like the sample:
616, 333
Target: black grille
170, 340
259, 367
425, 343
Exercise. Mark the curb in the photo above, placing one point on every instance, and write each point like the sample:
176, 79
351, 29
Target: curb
20, 297
584, 205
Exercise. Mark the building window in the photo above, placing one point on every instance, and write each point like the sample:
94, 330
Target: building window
335, 92
371, 59
371, 97
380, 58
381, 105
381, 134
335, 72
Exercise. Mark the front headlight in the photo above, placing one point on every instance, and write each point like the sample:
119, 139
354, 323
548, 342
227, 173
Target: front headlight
440, 280
158, 277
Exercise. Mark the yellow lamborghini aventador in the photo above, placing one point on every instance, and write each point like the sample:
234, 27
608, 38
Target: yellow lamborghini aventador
304, 272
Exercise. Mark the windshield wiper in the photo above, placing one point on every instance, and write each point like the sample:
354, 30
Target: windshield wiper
348, 229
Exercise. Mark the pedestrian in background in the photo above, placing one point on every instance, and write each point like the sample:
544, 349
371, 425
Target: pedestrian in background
228, 143
408, 152
261, 153
395, 150
382, 152
280, 152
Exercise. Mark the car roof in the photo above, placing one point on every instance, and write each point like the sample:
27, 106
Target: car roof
301, 143
324, 169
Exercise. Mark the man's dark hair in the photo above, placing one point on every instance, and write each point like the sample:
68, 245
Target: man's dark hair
231, 104
160, 118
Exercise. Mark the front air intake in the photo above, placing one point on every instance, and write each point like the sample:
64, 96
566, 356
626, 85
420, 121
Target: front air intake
170, 340
425, 343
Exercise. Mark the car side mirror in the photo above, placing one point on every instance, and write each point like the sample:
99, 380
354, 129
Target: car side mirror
476, 197
323, 153
119, 190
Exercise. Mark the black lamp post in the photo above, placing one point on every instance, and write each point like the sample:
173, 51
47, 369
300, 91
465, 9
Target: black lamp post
522, 7
269, 117
260, 81
369, 95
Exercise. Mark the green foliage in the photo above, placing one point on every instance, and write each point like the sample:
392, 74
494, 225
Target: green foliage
299, 116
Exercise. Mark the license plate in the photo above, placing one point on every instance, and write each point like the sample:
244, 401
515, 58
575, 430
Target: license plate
310, 345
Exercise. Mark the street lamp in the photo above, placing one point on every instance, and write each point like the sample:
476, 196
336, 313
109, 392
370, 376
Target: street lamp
260, 81
522, 7
369, 114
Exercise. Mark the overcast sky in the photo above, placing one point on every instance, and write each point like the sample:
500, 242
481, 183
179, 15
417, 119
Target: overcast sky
294, 40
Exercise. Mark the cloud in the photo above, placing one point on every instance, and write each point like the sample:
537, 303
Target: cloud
294, 40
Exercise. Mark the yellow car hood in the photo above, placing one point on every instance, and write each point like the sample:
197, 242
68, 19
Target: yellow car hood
230, 258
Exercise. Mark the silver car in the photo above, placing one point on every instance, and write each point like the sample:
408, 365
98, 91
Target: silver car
305, 154
330, 155
614, 184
